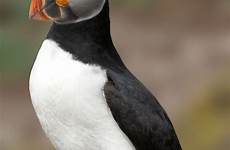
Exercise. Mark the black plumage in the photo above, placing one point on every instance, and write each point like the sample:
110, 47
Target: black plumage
138, 113
135, 109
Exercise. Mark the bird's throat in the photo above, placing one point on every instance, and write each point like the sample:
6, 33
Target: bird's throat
90, 40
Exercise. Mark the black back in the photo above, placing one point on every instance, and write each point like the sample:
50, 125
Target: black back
134, 108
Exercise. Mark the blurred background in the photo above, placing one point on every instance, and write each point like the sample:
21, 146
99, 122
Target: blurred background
180, 49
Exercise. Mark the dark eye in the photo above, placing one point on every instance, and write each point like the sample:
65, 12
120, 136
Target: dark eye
52, 9
67, 15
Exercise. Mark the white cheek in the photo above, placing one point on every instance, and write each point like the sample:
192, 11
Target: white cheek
86, 9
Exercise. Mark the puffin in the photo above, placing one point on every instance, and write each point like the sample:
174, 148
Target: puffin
83, 94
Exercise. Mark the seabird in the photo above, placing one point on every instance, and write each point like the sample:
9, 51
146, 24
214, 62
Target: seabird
83, 94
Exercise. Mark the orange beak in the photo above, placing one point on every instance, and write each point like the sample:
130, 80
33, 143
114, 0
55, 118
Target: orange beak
36, 10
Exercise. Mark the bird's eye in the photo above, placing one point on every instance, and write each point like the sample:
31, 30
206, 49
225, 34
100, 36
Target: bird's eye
62, 3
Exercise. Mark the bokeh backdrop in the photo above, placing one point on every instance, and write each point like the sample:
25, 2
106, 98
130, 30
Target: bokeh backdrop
180, 49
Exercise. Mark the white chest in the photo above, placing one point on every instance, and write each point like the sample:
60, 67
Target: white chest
68, 98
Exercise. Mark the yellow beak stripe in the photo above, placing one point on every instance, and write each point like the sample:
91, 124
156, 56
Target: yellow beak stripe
62, 3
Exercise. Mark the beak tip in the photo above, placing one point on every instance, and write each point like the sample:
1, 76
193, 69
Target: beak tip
31, 16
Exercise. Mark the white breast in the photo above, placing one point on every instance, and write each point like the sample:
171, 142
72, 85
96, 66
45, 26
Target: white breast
68, 98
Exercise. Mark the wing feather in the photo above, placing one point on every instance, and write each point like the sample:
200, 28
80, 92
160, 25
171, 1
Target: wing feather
138, 113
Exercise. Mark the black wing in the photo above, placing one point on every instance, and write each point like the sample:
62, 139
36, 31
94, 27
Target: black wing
138, 113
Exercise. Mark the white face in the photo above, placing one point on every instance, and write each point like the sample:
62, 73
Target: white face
86, 9
65, 11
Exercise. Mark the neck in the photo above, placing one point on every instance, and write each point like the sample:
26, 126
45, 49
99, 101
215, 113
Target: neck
90, 40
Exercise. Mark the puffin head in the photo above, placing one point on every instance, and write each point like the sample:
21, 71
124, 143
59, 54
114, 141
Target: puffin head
65, 11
